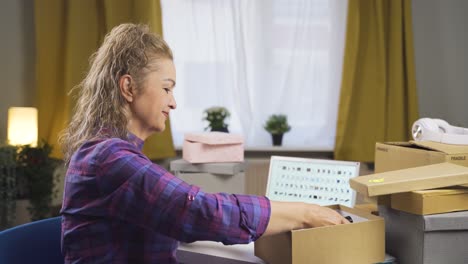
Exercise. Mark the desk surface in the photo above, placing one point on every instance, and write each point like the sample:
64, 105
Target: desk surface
215, 252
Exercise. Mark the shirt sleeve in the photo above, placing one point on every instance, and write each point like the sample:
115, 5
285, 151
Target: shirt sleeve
142, 193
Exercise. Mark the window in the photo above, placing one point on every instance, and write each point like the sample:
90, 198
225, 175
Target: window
257, 58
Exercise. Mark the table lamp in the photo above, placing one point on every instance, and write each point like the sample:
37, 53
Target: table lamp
22, 126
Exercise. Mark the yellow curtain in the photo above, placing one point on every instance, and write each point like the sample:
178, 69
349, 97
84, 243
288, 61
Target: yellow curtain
67, 33
378, 100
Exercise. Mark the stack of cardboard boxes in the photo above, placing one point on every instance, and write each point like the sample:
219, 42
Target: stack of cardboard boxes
422, 193
214, 161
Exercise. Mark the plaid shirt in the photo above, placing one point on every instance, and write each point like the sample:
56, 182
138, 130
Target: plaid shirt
119, 207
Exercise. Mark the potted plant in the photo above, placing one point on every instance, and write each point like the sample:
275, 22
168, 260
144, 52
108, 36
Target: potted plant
277, 125
7, 186
35, 172
216, 117
26, 182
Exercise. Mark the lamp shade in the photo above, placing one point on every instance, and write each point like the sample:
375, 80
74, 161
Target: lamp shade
22, 126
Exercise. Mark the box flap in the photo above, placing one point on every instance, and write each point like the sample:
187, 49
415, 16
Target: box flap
449, 221
227, 168
397, 143
266, 248
214, 138
445, 148
434, 146
412, 179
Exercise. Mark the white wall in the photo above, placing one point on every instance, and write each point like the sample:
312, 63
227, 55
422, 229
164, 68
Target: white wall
441, 49
16, 57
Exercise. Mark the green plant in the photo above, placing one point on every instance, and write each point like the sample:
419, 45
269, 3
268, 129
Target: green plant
7, 186
216, 117
35, 169
277, 124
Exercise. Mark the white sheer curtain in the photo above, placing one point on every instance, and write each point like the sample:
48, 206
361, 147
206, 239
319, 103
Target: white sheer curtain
257, 58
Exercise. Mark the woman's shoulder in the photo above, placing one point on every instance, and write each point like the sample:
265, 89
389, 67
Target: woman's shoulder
113, 145
101, 148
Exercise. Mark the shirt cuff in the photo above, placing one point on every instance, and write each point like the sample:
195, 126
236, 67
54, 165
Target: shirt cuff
255, 214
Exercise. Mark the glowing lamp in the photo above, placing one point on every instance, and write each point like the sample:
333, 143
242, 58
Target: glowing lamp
22, 126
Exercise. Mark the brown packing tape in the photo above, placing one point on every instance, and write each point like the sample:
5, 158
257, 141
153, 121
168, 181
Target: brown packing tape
412, 179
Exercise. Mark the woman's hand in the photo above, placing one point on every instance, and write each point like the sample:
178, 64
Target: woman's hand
286, 216
322, 216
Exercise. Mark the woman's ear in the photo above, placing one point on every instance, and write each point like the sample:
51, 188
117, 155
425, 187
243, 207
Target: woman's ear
126, 87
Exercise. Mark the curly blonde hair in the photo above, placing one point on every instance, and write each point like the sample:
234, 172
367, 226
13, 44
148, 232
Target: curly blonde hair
100, 109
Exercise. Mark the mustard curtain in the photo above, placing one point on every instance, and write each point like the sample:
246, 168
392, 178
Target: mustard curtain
67, 33
378, 100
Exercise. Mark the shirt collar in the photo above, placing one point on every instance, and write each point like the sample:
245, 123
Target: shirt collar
138, 142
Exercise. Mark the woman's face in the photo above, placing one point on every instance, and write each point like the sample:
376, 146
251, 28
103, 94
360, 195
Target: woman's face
152, 102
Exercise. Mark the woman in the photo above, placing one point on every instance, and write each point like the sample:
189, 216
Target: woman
118, 206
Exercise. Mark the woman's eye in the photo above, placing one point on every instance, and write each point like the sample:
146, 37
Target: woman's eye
167, 90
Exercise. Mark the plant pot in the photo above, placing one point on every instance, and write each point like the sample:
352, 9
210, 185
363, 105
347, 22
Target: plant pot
23, 215
277, 139
220, 129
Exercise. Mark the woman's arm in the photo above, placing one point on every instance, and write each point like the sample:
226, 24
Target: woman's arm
286, 216
135, 190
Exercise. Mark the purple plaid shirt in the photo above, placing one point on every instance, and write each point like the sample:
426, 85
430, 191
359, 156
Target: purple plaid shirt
119, 207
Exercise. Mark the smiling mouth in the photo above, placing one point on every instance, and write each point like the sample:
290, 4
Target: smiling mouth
166, 114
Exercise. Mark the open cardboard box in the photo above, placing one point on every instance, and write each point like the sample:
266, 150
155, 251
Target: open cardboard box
360, 242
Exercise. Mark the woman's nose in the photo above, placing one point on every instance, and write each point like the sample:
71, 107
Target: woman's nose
172, 103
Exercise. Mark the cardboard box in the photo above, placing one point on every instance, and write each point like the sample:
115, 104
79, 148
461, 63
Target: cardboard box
391, 156
359, 242
431, 201
402, 155
412, 179
213, 147
212, 177
200, 252
429, 239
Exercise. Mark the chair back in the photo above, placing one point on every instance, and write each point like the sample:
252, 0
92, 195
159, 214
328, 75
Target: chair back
36, 242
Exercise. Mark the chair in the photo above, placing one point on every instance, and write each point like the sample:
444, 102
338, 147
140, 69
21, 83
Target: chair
36, 242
